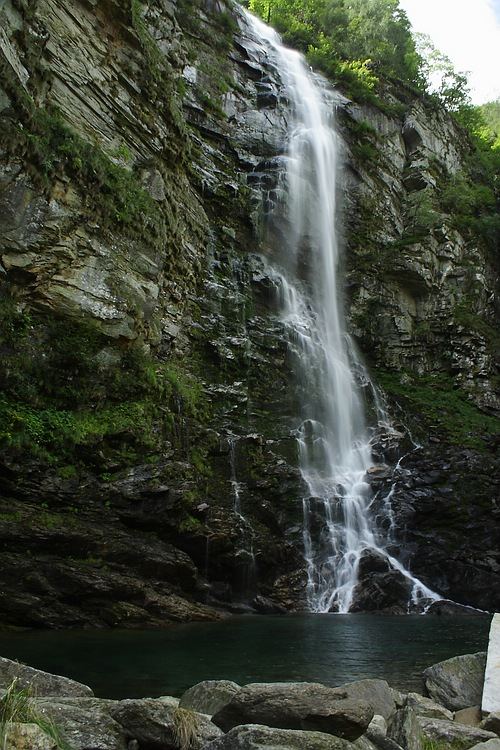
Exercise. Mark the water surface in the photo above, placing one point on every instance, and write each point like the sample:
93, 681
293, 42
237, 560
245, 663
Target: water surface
331, 649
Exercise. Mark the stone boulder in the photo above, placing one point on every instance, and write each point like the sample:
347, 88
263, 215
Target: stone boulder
471, 716
492, 723
426, 707
256, 737
84, 723
451, 733
376, 736
157, 725
299, 705
458, 682
26, 737
41, 683
488, 745
209, 696
375, 692
380, 587
405, 730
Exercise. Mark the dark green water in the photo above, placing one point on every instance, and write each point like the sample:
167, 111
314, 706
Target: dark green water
326, 648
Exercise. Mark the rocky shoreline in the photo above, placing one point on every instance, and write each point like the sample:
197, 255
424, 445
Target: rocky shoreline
60, 714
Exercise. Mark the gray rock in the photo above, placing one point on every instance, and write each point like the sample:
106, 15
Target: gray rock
256, 737
470, 716
492, 723
156, 724
298, 705
488, 745
41, 683
209, 696
27, 737
378, 725
457, 683
452, 733
85, 723
405, 730
375, 692
426, 707
376, 734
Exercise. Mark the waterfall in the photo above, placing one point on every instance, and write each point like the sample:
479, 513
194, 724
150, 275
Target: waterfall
333, 440
245, 554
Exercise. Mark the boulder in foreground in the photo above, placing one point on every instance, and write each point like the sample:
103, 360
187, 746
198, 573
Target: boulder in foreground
157, 725
256, 737
457, 683
298, 705
40, 683
209, 696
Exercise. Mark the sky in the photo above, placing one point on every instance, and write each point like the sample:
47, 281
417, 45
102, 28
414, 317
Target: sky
468, 31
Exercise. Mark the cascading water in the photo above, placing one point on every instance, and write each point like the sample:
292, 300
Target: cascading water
334, 443
245, 553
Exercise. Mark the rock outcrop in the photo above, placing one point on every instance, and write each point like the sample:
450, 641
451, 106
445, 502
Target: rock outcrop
144, 369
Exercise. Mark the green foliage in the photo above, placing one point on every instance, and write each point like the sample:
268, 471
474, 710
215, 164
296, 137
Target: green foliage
442, 406
351, 41
472, 197
450, 87
65, 389
113, 192
490, 114
17, 706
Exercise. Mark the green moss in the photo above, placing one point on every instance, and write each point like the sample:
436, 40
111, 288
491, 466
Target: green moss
442, 406
60, 397
115, 192
463, 315
190, 525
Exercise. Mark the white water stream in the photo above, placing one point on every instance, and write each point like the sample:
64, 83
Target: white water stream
333, 440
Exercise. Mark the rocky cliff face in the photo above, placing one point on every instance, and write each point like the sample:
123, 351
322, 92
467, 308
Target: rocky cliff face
149, 471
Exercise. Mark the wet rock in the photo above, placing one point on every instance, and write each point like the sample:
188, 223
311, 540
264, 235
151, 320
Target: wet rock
267, 738
452, 608
41, 683
301, 705
457, 683
209, 696
380, 587
267, 606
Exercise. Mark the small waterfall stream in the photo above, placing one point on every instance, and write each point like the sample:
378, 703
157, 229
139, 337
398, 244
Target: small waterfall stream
245, 553
333, 440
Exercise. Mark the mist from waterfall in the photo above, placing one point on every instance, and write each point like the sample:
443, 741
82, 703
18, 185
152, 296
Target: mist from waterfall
333, 440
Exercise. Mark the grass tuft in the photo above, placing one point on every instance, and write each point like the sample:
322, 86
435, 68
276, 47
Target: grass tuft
17, 707
185, 729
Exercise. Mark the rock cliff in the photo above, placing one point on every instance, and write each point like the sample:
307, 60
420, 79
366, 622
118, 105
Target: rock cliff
145, 385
